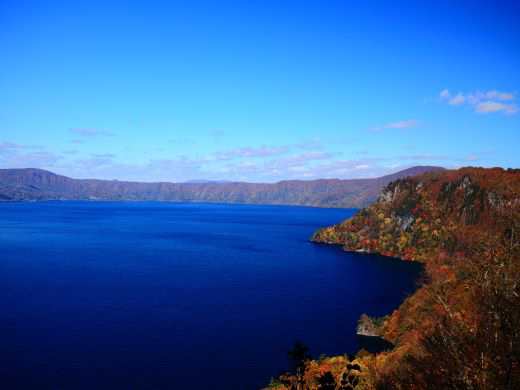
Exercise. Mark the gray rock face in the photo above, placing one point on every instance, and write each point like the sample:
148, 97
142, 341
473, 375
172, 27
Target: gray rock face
388, 196
407, 221
492, 198
366, 327
465, 182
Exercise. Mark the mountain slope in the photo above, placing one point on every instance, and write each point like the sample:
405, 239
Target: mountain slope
417, 217
36, 185
461, 328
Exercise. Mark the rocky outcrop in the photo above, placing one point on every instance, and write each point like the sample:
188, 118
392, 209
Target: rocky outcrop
419, 217
366, 327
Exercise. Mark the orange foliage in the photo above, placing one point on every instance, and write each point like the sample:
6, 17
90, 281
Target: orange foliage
461, 328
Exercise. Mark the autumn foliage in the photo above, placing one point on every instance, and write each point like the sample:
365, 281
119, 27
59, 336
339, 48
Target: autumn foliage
461, 328
421, 217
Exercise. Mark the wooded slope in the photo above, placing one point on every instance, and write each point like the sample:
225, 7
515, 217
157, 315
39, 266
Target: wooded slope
461, 328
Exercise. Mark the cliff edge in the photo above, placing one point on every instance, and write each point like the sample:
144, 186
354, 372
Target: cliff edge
420, 217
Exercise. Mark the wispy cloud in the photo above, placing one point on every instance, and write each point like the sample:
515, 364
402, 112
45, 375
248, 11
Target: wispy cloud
89, 132
77, 141
291, 167
10, 145
29, 160
352, 169
5, 146
172, 169
445, 94
482, 102
314, 144
457, 100
489, 106
403, 125
305, 157
244, 152
262, 151
397, 125
16, 155
490, 95
250, 163
311, 165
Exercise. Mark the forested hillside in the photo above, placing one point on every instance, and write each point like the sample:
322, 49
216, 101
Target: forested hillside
37, 185
418, 217
461, 328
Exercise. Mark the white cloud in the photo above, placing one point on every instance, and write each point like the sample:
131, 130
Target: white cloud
262, 151
311, 165
253, 164
302, 158
478, 96
445, 94
482, 102
402, 125
501, 95
490, 106
291, 167
397, 125
457, 100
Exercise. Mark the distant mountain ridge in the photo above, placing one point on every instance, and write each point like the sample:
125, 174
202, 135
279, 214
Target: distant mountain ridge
31, 184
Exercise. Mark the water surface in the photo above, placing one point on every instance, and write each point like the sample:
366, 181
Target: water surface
177, 296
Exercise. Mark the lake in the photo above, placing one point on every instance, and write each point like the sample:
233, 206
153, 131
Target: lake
177, 296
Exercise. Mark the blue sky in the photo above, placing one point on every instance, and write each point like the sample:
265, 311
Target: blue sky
257, 90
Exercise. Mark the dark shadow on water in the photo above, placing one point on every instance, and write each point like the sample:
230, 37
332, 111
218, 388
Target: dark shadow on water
373, 344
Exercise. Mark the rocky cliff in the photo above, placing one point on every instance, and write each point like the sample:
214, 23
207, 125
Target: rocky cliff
367, 327
461, 328
419, 217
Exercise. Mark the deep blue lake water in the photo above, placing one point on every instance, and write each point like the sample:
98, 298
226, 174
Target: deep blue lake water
177, 296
